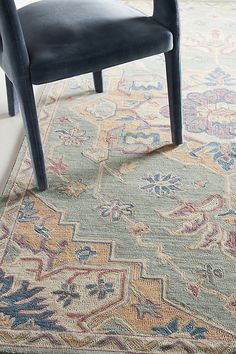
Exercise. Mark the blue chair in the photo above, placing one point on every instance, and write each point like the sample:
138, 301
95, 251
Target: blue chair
56, 39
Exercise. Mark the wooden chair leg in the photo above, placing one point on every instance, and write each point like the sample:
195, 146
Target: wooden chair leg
97, 77
29, 114
173, 71
13, 108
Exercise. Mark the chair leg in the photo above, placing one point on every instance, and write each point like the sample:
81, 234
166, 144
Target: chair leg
97, 77
13, 108
173, 71
29, 114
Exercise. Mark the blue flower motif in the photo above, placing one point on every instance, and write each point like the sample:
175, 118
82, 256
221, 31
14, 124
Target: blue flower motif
28, 212
67, 294
189, 328
219, 77
223, 154
162, 184
116, 209
101, 289
85, 253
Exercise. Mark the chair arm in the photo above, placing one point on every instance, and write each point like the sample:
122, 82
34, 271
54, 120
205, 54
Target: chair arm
166, 12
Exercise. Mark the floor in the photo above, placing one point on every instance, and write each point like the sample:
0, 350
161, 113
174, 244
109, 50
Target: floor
11, 128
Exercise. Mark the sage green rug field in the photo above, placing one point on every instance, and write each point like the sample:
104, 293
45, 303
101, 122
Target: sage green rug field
132, 248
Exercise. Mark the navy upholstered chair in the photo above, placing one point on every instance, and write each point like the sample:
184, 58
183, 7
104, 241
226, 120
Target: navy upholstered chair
56, 39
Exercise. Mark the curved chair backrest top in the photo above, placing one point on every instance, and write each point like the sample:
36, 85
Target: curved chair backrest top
13, 52
166, 12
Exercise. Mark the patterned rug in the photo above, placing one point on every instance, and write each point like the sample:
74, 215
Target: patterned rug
132, 248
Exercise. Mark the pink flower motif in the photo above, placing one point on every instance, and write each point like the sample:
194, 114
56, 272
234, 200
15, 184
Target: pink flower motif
56, 167
211, 112
215, 34
63, 120
70, 99
194, 289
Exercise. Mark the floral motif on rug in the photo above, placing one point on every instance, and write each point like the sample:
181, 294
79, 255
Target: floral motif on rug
132, 248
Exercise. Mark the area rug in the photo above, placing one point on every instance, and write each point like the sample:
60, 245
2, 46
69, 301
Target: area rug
132, 248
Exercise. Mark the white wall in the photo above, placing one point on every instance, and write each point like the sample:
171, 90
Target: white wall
11, 128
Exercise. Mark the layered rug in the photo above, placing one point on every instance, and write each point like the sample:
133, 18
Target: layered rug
133, 247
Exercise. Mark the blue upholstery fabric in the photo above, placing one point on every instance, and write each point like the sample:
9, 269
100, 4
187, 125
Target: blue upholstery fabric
13, 53
66, 38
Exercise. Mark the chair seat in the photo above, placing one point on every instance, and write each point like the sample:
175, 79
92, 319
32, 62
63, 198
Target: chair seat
67, 38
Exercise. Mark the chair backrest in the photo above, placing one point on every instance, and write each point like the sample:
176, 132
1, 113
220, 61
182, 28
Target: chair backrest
13, 52
166, 12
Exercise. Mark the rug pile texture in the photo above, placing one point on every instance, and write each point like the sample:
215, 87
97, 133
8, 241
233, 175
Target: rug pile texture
133, 247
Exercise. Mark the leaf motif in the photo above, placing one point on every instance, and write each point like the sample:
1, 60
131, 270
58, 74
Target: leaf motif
22, 305
67, 302
93, 292
109, 285
7, 284
91, 286
148, 186
128, 167
101, 294
210, 236
167, 177
58, 292
18, 321
73, 288
62, 298
189, 326
162, 330
199, 330
201, 183
1, 274
173, 325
